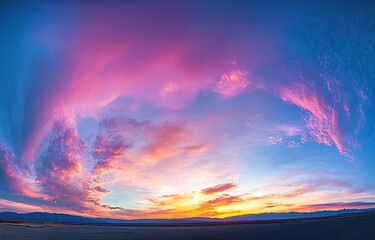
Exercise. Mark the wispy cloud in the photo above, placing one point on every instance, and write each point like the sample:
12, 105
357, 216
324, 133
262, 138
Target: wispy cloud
321, 118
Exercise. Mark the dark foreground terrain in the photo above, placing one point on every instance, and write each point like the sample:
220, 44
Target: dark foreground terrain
345, 227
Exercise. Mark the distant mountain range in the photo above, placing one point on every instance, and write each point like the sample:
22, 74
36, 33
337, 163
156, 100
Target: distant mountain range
66, 218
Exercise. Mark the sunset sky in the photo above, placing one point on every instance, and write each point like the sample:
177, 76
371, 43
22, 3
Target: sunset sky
171, 109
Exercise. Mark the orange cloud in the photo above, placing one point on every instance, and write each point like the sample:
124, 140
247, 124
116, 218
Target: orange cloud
219, 188
223, 200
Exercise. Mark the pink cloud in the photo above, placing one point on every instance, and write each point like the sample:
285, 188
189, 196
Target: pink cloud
107, 150
109, 154
59, 166
232, 83
158, 141
321, 119
14, 180
63, 175
6, 205
164, 140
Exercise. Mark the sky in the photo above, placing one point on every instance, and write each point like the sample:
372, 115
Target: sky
165, 109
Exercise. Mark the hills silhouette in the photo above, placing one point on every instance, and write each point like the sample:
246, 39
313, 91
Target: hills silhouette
67, 218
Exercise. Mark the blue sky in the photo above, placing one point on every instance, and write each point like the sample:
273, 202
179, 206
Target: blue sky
145, 109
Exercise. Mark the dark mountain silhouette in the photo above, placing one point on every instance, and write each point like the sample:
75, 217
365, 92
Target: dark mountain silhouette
48, 217
296, 215
66, 218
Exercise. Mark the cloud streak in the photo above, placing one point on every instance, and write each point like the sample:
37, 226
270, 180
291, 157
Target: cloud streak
321, 119
219, 188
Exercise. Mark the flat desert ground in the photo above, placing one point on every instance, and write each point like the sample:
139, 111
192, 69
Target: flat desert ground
342, 228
